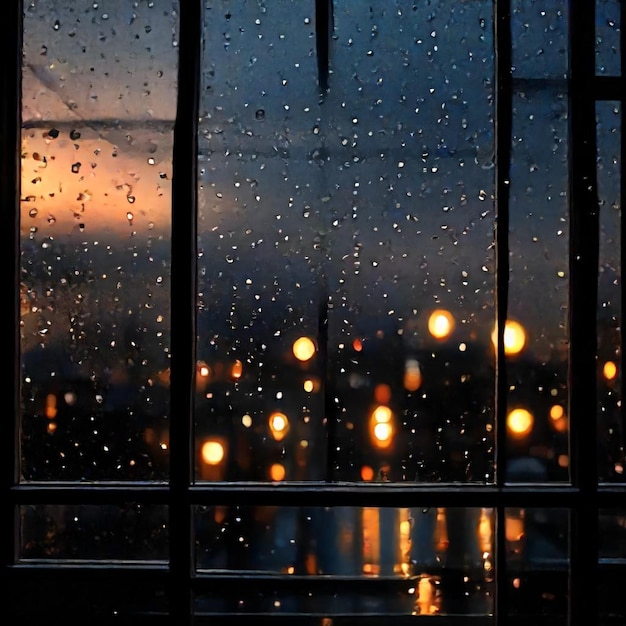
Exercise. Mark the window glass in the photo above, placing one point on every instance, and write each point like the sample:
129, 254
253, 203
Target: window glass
537, 555
608, 33
419, 548
610, 411
535, 336
359, 223
539, 32
94, 532
99, 95
536, 341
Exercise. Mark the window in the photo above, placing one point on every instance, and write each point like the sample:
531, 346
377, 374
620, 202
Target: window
319, 296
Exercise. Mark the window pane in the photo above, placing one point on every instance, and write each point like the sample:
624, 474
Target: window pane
99, 94
539, 30
419, 548
608, 33
610, 412
612, 555
94, 532
536, 336
352, 221
537, 548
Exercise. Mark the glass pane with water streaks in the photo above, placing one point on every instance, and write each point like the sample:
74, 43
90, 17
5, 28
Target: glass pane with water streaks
425, 560
99, 95
346, 283
611, 433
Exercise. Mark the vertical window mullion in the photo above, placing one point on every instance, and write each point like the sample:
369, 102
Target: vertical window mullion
183, 307
503, 127
584, 242
10, 115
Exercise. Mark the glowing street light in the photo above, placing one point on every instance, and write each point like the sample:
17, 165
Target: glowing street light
609, 371
212, 452
519, 423
279, 425
514, 337
440, 324
303, 348
381, 426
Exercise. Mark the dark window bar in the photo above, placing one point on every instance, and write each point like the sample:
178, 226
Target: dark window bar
584, 247
584, 497
183, 307
503, 127
10, 116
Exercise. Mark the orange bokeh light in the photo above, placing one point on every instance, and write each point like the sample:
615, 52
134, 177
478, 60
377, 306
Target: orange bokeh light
303, 348
440, 324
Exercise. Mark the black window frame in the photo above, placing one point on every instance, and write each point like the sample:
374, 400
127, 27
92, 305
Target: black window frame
584, 497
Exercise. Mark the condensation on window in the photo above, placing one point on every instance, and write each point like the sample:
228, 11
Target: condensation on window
611, 436
99, 95
346, 252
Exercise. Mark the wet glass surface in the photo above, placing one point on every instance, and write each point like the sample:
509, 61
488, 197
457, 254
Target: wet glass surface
431, 560
611, 436
94, 532
536, 340
608, 33
361, 221
99, 94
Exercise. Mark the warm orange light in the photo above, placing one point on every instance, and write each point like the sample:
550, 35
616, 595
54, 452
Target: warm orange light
308, 385
357, 345
204, 370
382, 414
212, 452
412, 375
382, 393
519, 422
557, 412
277, 472
51, 406
383, 432
367, 473
514, 337
279, 425
609, 371
237, 369
381, 426
303, 348
440, 324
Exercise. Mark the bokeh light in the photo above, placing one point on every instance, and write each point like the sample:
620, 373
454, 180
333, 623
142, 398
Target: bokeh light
212, 452
279, 425
519, 422
440, 324
303, 348
514, 337
609, 371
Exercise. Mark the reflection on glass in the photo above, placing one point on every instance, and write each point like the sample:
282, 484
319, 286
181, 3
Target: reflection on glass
99, 94
608, 32
537, 553
536, 332
360, 224
611, 435
94, 532
424, 546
